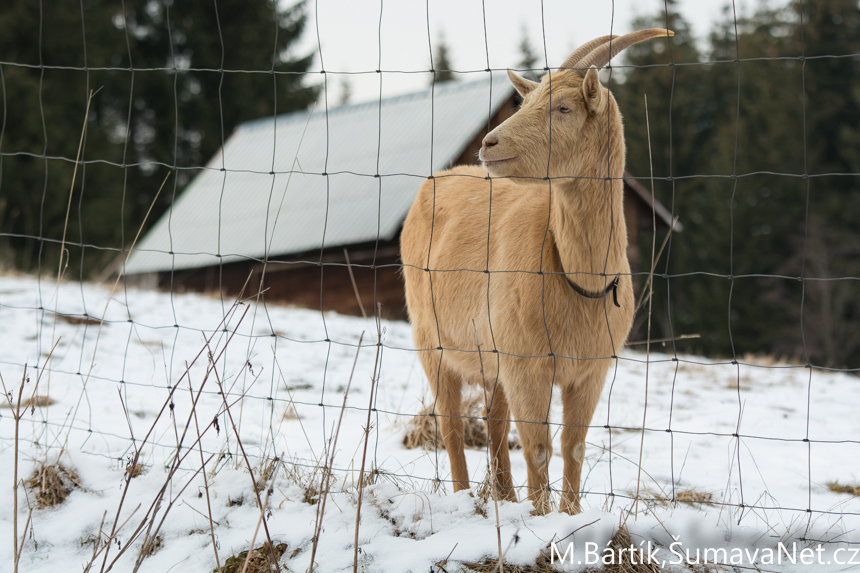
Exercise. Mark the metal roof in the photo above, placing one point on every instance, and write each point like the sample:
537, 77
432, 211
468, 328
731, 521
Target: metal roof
234, 212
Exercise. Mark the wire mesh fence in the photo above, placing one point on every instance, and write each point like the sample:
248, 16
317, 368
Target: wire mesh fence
131, 398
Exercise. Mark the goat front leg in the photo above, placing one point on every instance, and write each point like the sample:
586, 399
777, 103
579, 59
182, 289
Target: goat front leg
498, 427
580, 400
529, 401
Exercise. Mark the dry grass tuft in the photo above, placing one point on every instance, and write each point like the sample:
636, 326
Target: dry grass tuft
491, 565
622, 561
153, 546
34, 402
483, 492
421, 430
837, 487
78, 319
268, 467
306, 477
690, 496
260, 561
52, 484
770, 360
134, 471
290, 412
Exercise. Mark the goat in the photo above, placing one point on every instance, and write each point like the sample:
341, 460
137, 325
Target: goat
518, 258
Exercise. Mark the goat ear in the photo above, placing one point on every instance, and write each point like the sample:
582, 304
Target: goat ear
522, 85
592, 91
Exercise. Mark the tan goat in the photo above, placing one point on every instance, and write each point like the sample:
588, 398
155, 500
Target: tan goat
535, 254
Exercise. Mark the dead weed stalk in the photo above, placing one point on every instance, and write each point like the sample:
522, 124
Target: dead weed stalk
325, 482
17, 414
153, 519
373, 381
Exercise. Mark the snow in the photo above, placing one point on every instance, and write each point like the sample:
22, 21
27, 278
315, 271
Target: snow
109, 384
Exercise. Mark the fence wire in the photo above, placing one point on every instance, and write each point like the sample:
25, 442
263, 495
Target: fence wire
261, 328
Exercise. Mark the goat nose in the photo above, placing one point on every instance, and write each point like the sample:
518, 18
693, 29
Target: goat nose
490, 140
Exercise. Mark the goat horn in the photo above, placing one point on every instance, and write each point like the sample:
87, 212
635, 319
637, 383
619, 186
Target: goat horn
601, 55
584, 50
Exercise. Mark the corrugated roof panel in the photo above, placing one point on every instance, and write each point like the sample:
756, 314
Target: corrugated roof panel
234, 213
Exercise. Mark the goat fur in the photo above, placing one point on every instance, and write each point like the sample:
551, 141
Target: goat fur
487, 252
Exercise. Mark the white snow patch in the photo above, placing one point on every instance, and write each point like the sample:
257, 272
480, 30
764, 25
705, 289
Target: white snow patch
280, 359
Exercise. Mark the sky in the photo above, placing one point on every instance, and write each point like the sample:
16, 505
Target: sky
361, 36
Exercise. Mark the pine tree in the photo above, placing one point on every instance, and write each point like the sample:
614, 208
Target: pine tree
345, 91
826, 237
528, 58
442, 63
742, 168
182, 108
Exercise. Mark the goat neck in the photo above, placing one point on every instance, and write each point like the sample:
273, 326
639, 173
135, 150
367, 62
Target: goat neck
587, 215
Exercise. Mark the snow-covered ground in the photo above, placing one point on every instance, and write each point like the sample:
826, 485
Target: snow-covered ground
284, 373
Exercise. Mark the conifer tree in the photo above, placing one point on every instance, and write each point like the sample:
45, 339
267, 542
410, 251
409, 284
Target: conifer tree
528, 57
162, 100
443, 70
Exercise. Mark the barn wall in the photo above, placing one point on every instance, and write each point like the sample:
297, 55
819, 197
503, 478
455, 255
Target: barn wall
298, 281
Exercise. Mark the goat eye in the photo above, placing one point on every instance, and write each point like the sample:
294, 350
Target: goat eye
563, 109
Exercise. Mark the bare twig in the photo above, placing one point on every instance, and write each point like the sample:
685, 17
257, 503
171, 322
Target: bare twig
649, 280
152, 535
354, 285
492, 465
99, 547
324, 486
16, 414
656, 340
104, 312
260, 520
205, 483
364, 452
177, 459
648, 335
66, 223
96, 542
213, 361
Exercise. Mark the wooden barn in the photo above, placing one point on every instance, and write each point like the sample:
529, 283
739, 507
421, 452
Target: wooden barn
317, 200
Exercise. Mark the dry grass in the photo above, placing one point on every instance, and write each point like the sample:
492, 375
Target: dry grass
134, 470
421, 431
306, 477
78, 319
34, 402
491, 565
153, 547
689, 496
268, 467
622, 562
52, 484
692, 496
290, 412
260, 561
837, 487
771, 360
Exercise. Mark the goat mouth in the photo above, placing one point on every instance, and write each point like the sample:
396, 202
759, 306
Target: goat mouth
488, 163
